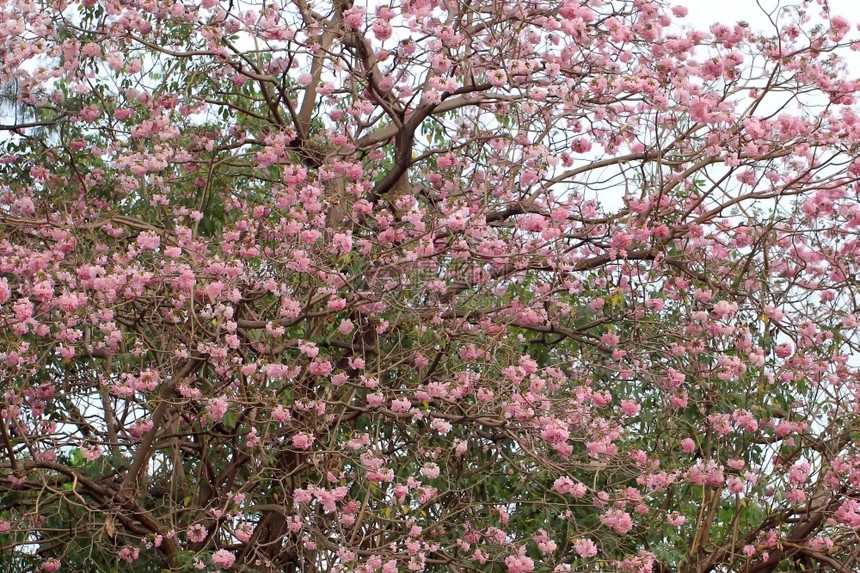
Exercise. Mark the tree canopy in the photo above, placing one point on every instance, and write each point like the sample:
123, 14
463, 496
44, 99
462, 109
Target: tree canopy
436, 285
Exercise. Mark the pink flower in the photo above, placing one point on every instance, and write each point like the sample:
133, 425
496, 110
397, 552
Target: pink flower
619, 521
302, 441
610, 339
555, 432
382, 29
783, 350
725, 309
497, 78
563, 485
243, 532
629, 407
23, 310
519, 564
799, 473
216, 408
114, 61
25, 206
280, 414
339, 379
585, 548
354, 17
51, 565
320, 368
148, 241
196, 533
223, 558
185, 280
430, 471
90, 50
839, 26
736, 465
92, 453
440, 426
400, 405
129, 553
139, 428
346, 326
5, 291
679, 400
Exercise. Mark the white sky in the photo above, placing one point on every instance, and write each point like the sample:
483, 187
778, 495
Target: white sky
703, 13
706, 12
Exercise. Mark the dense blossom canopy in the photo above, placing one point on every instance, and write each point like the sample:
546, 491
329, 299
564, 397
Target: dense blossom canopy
436, 285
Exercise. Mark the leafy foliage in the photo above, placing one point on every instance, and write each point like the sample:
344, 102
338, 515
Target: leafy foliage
485, 287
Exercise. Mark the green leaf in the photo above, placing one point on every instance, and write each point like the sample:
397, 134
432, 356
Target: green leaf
229, 420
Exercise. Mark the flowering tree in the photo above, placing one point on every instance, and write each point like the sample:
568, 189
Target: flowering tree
428, 286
